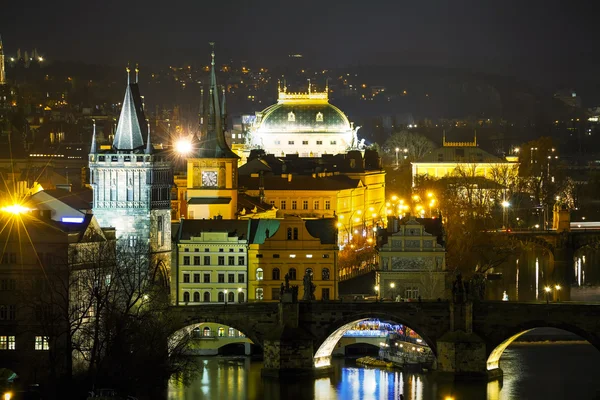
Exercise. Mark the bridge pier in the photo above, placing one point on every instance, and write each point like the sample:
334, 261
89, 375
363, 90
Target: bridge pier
462, 353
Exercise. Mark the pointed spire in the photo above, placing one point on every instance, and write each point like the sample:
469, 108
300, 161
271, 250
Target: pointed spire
128, 71
214, 112
202, 115
223, 112
93, 147
149, 147
137, 73
129, 134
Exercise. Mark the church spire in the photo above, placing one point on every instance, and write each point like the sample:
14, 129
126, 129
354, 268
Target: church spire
93, 147
223, 112
129, 134
214, 112
149, 147
2, 73
202, 114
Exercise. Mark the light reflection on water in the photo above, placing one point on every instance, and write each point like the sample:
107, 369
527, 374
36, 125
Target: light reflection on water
532, 371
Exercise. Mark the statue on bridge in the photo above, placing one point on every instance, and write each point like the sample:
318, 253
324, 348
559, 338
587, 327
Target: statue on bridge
458, 290
309, 287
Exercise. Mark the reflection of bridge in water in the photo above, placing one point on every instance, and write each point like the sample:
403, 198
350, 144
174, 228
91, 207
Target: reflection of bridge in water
467, 339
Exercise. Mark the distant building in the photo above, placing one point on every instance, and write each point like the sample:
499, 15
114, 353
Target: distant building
305, 124
63, 205
131, 181
444, 161
412, 259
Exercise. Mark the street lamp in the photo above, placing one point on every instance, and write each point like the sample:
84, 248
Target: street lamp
225, 291
547, 290
183, 146
397, 150
505, 205
557, 287
376, 292
393, 286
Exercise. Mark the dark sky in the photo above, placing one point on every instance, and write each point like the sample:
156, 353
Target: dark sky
545, 42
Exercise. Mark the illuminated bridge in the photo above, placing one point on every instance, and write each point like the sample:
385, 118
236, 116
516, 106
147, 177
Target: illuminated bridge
467, 339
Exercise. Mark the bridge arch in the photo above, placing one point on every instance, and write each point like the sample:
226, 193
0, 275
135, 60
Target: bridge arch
337, 329
497, 349
178, 338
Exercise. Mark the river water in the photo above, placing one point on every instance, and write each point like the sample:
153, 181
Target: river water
531, 371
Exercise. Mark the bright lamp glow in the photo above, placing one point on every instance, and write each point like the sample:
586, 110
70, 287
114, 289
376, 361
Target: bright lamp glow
183, 146
15, 209
505, 204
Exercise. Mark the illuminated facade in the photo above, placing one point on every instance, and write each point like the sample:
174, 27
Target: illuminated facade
212, 166
412, 259
444, 161
132, 183
212, 262
305, 124
292, 246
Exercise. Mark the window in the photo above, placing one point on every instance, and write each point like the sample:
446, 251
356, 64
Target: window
207, 297
186, 260
231, 332
132, 241
231, 260
206, 260
278, 142
325, 274
206, 278
305, 204
291, 142
206, 332
186, 278
327, 204
259, 293
241, 297
319, 117
305, 142
295, 233
241, 250
241, 260
41, 343
319, 142
272, 203
292, 274
221, 331
259, 256
259, 274
289, 233
196, 260
231, 297
231, 250
221, 278
7, 343
221, 260
221, 297
275, 293
186, 297
325, 255
241, 278
196, 250
275, 255
276, 274
333, 142
325, 294
206, 250
316, 207
411, 292
282, 205
291, 116
221, 251
196, 297
294, 204
230, 278
196, 278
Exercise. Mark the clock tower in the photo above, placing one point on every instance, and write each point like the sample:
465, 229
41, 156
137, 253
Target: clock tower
212, 175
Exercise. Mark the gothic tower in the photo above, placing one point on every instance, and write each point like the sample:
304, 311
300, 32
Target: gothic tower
212, 167
132, 183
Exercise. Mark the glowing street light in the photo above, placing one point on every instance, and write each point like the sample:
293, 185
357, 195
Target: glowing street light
547, 289
183, 146
557, 287
397, 150
16, 209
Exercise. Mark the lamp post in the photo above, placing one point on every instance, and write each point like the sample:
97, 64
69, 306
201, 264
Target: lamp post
405, 153
547, 290
376, 292
557, 287
239, 291
393, 286
397, 150
505, 205
225, 291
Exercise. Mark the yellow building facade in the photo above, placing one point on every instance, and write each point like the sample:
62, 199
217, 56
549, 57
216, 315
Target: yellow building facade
292, 246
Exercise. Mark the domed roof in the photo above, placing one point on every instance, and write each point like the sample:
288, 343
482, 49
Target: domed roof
302, 112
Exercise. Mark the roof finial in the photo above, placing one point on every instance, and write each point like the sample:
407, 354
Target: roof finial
137, 72
327, 86
93, 147
149, 147
212, 54
128, 71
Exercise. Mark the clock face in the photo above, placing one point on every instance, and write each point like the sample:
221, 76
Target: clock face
209, 178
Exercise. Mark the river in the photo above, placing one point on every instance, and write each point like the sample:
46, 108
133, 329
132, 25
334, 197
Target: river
531, 371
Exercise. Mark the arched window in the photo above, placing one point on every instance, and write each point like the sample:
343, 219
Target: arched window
206, 331
221, 331
231, 297
186, 297
241, 297
259, 293
207, 297
289, 233
292, 274
196, 297
295, 233
259, 274
221, 297
325, 274
276, 274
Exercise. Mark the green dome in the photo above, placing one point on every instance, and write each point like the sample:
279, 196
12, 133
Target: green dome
305, 118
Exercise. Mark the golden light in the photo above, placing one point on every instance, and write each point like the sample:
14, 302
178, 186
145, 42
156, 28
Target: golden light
7, 395
419, 207
429, 194
371, 208
183, 146
392, 285
394, 198
376, 288
415, 197
387, 204
547, 289
431, 203
358, 212
557, 287
370, 240
356, 219
340, 216
374, 215
339, 224
388, 211
16, 209
449, 398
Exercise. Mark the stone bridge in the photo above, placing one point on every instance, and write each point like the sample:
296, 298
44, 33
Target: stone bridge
467, 339
561, 246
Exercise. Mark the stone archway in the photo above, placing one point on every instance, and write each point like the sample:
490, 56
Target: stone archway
177, 338
322, 356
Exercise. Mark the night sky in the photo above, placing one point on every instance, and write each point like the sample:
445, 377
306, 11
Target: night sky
545, 42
